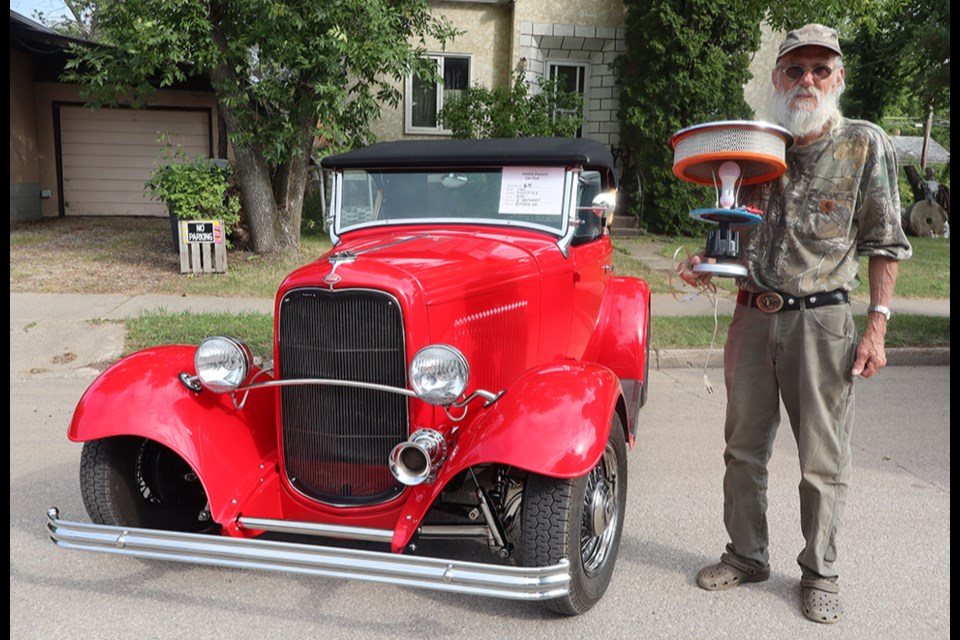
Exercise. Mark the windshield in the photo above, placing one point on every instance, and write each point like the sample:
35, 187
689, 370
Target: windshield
534, 197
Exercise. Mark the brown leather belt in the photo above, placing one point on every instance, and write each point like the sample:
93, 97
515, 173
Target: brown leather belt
774, 301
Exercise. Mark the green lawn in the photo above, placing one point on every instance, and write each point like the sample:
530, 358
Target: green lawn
925, 275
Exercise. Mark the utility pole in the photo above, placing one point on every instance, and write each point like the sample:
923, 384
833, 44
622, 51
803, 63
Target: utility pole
926, 139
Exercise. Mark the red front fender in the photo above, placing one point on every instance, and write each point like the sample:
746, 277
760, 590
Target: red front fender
553, 421
141, 396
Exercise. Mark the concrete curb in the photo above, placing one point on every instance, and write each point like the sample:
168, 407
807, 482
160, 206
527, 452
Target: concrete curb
696, 358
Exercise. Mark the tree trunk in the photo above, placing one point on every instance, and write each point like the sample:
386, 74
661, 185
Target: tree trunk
289, 186
255, 187
258, 204
222, 136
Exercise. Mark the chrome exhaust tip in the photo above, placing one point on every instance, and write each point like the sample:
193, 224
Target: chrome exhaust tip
416, 461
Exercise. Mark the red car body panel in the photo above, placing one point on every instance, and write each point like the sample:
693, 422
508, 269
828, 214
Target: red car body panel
553, 419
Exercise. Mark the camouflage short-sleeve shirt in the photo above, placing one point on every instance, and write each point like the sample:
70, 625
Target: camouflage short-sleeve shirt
837, 201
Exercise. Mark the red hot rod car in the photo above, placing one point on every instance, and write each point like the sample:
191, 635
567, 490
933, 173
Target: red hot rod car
463, 364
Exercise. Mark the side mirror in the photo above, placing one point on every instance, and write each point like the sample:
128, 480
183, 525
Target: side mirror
604, 204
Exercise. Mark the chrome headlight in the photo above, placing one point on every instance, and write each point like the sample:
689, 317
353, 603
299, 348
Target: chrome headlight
222, 363
439, 374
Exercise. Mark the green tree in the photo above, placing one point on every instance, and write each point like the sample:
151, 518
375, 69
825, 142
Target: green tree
287, 75
897, 53
897, 56
685, 63
514, 112
80, 23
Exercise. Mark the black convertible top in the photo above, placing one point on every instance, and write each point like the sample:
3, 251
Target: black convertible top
486, 152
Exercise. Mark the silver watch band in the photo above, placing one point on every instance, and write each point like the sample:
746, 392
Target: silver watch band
879, 308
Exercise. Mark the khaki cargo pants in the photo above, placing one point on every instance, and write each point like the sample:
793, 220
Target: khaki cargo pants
802, 357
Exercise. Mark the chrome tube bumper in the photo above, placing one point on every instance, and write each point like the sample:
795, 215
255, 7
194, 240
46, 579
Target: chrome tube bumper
473, 578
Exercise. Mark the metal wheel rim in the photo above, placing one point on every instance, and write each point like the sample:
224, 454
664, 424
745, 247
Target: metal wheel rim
165, 488
595, 549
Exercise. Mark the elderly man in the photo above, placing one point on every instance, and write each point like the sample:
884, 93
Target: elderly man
792, 338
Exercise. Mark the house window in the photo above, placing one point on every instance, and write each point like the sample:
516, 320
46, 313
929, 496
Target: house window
570, 77
425, 98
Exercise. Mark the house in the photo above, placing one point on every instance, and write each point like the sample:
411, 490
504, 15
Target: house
68, 159
573, 43
910, 150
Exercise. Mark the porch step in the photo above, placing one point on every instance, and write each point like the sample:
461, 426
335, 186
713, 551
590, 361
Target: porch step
624, 226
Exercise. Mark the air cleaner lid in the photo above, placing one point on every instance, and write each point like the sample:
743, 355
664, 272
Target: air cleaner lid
759, 148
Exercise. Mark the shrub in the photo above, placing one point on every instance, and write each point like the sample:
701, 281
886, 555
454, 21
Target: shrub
684, 65
516, 112
197, 189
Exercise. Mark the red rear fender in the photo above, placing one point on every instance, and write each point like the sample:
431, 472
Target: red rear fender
619, 342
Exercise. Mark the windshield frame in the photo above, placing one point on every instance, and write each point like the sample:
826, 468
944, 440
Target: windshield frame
338, 225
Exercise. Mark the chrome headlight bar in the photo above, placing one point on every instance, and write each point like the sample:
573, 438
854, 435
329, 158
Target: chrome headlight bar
439, 375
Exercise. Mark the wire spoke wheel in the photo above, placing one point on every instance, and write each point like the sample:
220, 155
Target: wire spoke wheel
580, 520
601, 514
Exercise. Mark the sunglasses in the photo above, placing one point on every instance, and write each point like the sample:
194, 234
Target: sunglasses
797, 71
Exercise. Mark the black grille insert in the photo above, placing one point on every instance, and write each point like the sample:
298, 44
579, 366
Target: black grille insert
336, 440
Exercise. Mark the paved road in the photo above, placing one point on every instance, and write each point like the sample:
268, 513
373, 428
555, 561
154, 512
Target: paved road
895, 544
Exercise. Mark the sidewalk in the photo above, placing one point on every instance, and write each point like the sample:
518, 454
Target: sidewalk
68, 332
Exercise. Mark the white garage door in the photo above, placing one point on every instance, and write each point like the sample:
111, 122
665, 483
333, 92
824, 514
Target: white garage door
107, 155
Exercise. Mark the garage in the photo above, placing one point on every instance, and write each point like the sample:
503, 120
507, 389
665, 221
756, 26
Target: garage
105, 156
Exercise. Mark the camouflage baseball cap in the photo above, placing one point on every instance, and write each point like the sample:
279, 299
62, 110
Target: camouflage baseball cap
811, 35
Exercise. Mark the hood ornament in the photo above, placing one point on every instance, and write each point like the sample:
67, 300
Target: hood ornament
335, 261
340, 257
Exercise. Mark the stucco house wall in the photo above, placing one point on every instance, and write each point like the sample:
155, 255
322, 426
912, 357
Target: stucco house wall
589, 33
759, 89
24, 152
486, 39
501, 36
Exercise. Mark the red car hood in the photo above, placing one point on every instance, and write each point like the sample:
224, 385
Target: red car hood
440, 264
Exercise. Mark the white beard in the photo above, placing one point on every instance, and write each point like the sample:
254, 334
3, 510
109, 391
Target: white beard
805, 122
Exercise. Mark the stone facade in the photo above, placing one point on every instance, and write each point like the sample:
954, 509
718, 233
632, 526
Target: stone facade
501, 36
595, 47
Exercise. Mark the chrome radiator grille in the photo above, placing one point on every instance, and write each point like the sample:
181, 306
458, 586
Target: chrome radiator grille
336, 440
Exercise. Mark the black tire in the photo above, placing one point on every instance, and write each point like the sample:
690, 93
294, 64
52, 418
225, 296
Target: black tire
579, 519
645, 387
136, 482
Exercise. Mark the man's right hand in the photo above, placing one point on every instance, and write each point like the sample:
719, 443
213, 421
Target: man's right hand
691, 277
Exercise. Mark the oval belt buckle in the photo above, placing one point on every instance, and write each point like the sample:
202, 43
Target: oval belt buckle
769, 302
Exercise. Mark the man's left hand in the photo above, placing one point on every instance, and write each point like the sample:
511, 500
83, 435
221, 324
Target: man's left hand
871, 355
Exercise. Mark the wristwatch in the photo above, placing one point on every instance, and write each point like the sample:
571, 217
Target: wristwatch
879, 308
